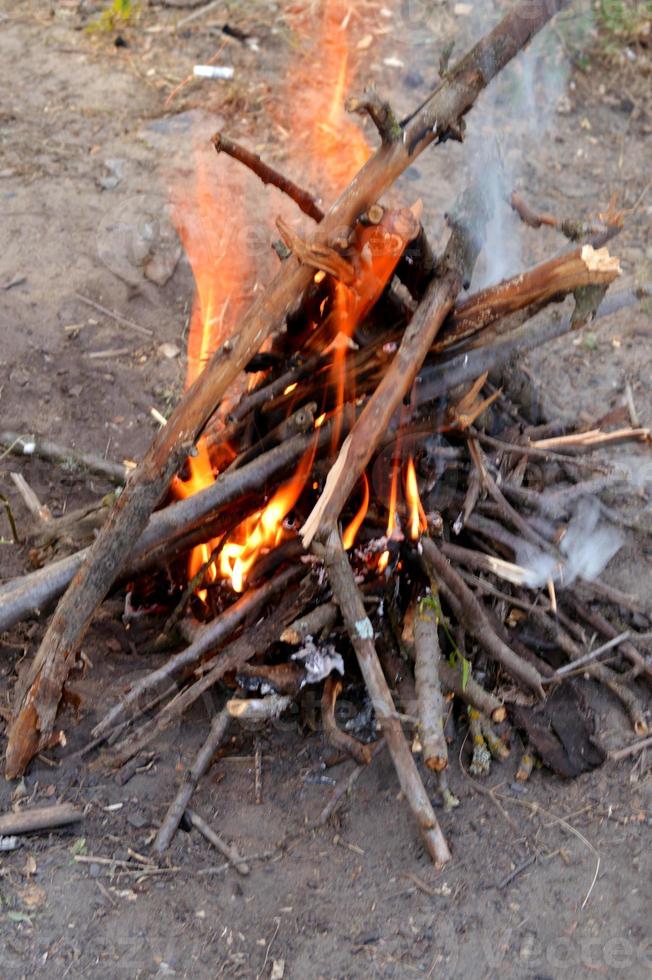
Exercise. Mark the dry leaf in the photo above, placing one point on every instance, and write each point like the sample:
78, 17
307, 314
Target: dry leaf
33, 896
29, 868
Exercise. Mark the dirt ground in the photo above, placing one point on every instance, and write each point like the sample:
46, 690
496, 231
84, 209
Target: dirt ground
92, 131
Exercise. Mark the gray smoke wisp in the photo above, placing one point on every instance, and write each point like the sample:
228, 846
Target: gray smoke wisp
586, 548
511, 121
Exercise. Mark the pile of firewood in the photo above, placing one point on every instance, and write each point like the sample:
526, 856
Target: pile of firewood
430, 533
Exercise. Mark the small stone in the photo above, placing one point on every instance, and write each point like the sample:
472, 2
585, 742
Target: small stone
169, 350
138, 820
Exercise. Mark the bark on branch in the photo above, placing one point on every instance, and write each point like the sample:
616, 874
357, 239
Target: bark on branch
361, 633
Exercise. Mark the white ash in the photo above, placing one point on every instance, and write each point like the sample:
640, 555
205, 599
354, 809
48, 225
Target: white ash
587, 547
318, 661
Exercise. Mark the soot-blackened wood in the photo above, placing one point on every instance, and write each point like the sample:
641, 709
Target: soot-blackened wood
436, 120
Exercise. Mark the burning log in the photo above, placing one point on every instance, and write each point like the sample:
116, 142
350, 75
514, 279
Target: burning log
455, 267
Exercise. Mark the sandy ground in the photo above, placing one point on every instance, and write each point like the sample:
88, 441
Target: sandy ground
91, 136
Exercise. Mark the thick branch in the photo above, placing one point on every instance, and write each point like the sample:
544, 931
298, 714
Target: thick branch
430, 703
533, 289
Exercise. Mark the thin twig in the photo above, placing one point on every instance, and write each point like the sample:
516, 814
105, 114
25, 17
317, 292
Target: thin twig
633, 749
201, 765
576, 665
269, 175
29, 445
228, 850
136, 327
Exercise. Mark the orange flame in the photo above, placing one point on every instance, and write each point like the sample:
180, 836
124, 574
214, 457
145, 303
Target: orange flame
416, 514
263, 530
336, 146
351, 532
392, 519
335, 150
220, 273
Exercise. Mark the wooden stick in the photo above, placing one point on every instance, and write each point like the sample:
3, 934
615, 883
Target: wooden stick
471, 616
467, 690
641, 664
253, 641
572, 228
200, 765
632, 749
437, 119
43, 818
471, 692
337, 738
320, 618
485, 351
587, 658
29, 594
344, 787
40, 512
29, 445
207, 638
269, 175
230, 852
533, 289
361, 633
136, 327
430, 704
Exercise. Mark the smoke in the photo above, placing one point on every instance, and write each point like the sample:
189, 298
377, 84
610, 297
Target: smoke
586, 549
511, 122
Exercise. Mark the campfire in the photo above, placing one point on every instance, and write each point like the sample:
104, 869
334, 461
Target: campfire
349, 498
